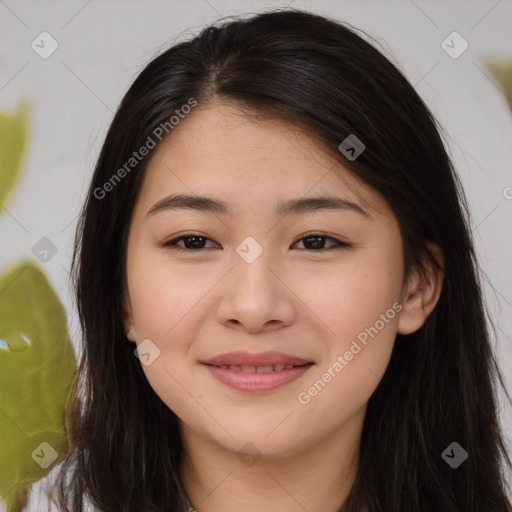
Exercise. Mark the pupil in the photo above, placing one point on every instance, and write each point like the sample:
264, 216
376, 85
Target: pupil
195, 238
317, 245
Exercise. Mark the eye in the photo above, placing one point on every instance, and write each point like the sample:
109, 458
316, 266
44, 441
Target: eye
191, 241
315, 242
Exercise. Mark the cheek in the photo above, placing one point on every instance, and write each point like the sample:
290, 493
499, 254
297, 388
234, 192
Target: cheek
162, 294
348, 298
359, 310
163, 316
166, 301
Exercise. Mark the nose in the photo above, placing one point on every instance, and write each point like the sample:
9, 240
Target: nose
256, 297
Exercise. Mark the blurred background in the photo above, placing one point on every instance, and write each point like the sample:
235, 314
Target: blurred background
73, 61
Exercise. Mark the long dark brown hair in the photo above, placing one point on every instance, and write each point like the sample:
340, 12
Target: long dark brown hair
441, 383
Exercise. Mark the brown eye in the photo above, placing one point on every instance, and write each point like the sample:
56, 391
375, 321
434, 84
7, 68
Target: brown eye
316, 242
190, 242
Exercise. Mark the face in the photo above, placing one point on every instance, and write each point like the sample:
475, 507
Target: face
319, 283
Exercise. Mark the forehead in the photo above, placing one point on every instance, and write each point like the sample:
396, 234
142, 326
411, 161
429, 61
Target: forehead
222, 151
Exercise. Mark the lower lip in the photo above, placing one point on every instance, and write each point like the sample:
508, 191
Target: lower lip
254, 381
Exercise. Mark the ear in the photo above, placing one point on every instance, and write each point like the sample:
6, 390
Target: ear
128, 324
421, 292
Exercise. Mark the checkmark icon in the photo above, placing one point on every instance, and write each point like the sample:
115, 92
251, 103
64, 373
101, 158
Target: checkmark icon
44, 250
249, 455
146, 352
249, 249
351, 147
44, 45
454, 45
454, 455
45, 455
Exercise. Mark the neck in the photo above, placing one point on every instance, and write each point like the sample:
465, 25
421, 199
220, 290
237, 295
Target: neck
316, 478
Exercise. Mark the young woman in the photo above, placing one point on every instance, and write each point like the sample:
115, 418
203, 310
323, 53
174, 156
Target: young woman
278, 290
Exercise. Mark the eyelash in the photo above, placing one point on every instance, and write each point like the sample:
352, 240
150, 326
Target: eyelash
338, 243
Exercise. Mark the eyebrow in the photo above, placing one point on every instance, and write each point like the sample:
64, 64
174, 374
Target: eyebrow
284, 208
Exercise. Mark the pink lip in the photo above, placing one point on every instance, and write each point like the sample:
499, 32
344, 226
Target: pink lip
254, 381
249, 359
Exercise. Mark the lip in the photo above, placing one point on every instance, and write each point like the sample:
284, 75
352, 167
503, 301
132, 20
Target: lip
255, 381
251, 359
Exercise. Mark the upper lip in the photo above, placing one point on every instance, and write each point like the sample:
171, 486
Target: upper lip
251, 359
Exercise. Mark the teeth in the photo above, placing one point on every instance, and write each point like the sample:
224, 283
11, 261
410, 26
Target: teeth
264, 369
257, 369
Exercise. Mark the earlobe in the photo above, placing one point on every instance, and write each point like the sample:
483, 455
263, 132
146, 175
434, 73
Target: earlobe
130, 334
422, 293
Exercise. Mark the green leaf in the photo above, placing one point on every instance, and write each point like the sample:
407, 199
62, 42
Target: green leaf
13, 141
501, 71
37, 362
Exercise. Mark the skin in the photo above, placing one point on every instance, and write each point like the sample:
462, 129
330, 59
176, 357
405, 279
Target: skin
293, 298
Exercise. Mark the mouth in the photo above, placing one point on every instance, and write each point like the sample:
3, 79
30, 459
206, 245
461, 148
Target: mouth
259, 369
250, 360
257, 379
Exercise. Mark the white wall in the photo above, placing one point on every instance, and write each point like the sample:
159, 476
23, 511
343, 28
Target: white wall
103, 45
